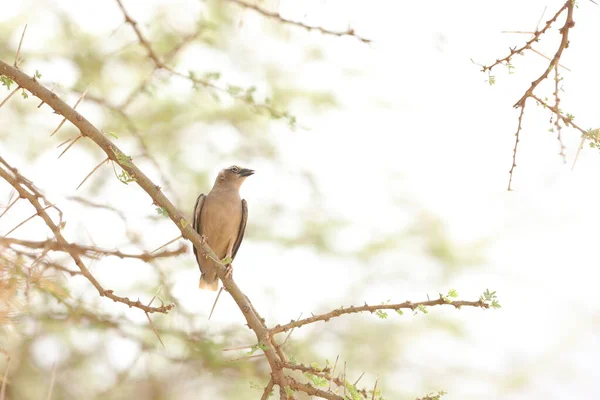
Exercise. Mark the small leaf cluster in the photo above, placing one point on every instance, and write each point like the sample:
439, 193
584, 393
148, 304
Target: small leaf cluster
490, 298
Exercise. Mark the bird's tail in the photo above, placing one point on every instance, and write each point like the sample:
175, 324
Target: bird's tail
205, 284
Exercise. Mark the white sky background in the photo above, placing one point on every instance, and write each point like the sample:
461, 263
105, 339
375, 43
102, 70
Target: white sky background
417, 118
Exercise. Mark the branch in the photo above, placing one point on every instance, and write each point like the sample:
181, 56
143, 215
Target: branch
313, 391
564, 43
553, 64
352, 309
27, 191
115, 154
527, 46
278, 17
91, 251
161, 64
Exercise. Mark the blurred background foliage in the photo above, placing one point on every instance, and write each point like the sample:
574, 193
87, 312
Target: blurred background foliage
181, 134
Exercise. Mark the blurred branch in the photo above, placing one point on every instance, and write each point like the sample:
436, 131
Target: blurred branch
32, 194
240, 95
278, 17
91, 251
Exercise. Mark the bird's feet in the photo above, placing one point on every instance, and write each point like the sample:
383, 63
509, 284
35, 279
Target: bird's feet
228, 271
203, 239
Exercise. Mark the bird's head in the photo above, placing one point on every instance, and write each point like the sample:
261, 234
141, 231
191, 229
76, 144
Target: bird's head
233, 176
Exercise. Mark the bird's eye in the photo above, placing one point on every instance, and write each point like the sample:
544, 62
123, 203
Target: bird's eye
235, 170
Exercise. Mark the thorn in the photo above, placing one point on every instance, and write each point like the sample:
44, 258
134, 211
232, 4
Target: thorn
17, 56
74, 107
215, 303
90, 174
9, 96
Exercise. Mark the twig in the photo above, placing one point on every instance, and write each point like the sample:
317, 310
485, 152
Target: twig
514, 158
527, 45
277, 16
92, 251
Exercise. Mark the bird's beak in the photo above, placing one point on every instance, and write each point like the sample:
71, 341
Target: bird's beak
245, 172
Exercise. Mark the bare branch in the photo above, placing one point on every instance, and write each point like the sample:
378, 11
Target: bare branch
92, 251
278, 17
514, 161
29, 192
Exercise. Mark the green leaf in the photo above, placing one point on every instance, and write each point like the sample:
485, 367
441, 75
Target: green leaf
211, 76
122, 158
227, 260
6, 81
234, 90
162, 211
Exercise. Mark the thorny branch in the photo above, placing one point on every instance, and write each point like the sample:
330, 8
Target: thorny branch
569, 23
352, 309
116, 155
29, 192
274, 354
272, 350
278, 17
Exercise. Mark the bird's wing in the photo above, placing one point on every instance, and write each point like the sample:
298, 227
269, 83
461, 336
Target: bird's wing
240, 236
196, 223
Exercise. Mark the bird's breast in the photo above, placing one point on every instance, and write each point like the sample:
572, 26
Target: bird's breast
221, 218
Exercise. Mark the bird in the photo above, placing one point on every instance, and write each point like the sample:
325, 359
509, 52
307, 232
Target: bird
220, 219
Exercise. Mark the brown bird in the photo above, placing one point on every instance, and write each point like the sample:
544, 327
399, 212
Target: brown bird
220, 218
